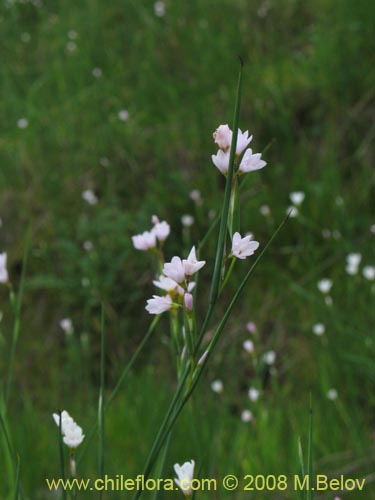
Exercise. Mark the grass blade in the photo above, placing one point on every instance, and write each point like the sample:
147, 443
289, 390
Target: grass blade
101, 401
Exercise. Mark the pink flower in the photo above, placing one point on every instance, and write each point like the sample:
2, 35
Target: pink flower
221, 161
158, 305
223, 137
175, 270
188, 300
243, 140
145, 241
251, 327
161, 230
251, 162
191, 264
243, 247
168, 285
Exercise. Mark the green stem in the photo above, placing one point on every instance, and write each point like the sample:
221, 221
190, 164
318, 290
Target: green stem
232, 264
101, 401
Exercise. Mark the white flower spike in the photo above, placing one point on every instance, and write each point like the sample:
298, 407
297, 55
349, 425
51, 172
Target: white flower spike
185, 475
4, 277
243, 247
158, 305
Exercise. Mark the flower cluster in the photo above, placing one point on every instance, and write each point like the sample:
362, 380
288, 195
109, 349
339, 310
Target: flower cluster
176, 281
250, 161
148, 239
71, 431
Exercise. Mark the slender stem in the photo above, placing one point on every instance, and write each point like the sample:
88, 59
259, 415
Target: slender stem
232, 264
101, 401
61, 450
11, 453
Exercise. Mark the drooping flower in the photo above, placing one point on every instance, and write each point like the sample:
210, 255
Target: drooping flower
297, 197
191, 264
4, 277
243, 247
223, 137
325, 285
185, 475
221, 161
217, 386
175, 270
145, 241
158, 305
251, 162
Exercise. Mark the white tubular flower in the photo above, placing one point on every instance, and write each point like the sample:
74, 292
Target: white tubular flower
243, 140
175, 270
161, 230
297, 197
251, 162
72, 433
243, 247
325, 285
221, 161
168, 285
223, 137
369, 272
158, 305
191, 264
145, 241
185, 475
3, 268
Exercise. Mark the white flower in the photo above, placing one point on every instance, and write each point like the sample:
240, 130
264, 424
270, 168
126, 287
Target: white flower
248, 345
369, 272
319, 329
97, 72
158, 305
123, 115
188, 300
223, 137
168, 285
187, 220
66, 325
22, 123
191, 264
145, 241
159, 8
243, 140
251, 162
72, 433
292, 211
351, 270
185, 475
217, 386
243, 247
353, 259
269, 357
332, 394
297, 197
88, 246
251, 327
90, 197
253, 394
221, 161
161, 230
175, 270
325, 285
3, 268
246, 416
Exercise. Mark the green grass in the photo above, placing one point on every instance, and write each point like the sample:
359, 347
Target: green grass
308, 98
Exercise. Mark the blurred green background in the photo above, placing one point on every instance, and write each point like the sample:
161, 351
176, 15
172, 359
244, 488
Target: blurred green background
122, 98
